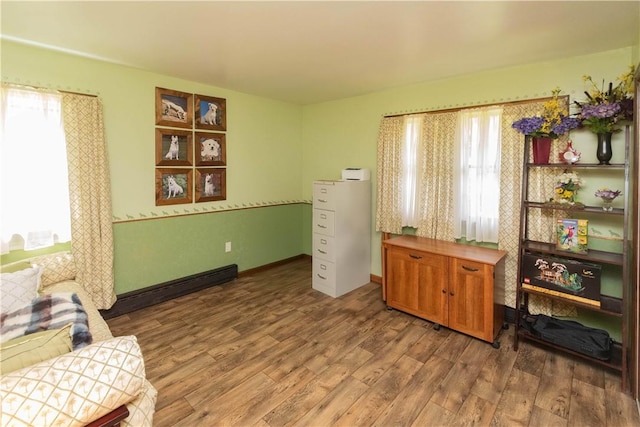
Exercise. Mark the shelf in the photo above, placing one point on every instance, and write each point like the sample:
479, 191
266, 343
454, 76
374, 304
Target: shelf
616, 351
578, 166
592, 255
573, 208
570, 301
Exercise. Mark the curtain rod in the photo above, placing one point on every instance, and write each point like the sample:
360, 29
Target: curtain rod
450, 110
30, 86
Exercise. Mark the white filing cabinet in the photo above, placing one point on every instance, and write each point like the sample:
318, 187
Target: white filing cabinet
341, 236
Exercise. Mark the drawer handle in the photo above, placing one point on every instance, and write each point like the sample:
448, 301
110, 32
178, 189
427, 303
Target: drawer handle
451, 293
415, 256
322, 226
323, 241
322, 277
323, 190
322, 200
323, 216
322, 252
470, 268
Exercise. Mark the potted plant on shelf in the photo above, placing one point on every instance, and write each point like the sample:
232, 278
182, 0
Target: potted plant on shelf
605, 110
543, 129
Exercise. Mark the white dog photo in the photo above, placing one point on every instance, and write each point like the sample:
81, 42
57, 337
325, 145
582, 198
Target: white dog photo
174, 149
209, 188
210, 150
211, 116
173, 187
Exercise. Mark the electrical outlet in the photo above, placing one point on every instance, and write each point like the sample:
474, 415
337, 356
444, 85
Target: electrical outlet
227, 247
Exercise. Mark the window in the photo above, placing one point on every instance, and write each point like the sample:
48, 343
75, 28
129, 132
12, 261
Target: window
34, 198
411, 195
477, 174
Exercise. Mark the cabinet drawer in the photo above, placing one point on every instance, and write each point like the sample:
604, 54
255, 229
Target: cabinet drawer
324, 247
469, 268
323, 222
324, 196
324, 273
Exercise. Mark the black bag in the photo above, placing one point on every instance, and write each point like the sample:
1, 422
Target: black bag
573, 335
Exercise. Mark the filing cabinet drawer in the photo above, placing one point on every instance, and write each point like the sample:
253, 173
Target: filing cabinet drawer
324, 274
323, 222
324, 196
324, 247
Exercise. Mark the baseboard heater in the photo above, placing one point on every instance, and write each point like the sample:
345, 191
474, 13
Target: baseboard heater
135, 300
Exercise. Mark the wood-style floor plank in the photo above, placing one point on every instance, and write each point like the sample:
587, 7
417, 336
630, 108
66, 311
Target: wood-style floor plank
267, 350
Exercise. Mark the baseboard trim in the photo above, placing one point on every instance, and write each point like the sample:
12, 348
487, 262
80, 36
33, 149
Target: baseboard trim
136, 300
269, 266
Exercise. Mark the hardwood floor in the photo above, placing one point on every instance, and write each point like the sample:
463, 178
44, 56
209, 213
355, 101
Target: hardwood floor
267, 350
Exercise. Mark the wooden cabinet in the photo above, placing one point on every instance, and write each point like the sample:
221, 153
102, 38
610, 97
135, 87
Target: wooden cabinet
341, 236
454, 285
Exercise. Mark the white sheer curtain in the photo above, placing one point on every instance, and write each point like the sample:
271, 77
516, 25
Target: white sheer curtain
477, 174
34, 198
411, 164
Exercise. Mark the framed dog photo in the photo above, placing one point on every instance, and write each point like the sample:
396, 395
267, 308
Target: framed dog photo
211, 149
174, 147
173, 108
173, 186
211, 184
211, 113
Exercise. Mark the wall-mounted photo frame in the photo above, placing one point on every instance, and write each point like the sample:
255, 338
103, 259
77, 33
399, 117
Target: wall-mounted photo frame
210, 149
173, 108
173, 186
211, 113
174, 147
211, 184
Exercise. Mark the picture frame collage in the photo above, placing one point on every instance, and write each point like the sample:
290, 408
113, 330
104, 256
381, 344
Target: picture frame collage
190, 148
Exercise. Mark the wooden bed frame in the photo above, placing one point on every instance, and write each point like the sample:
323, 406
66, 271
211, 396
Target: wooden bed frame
112, 419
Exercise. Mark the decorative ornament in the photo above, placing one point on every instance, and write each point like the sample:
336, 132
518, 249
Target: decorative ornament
569, 155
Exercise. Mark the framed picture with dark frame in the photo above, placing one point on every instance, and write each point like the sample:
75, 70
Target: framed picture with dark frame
173, 108
173, 186
211, 149
174, 147
211, 113
211, 184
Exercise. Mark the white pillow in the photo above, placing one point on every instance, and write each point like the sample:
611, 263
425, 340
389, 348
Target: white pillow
19, 288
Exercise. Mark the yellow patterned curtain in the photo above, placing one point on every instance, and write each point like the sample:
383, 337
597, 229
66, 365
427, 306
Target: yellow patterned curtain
388, 210
90, 197
436, 182
541, 222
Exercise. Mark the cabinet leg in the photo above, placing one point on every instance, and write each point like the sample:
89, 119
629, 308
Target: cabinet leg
389, 308
436, 327
495, 344
505, 326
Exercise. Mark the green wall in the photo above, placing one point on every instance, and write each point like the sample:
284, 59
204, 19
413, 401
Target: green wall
275, 151
350, 126
262, 214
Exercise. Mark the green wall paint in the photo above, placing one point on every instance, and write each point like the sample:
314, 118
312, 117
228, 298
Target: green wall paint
275, 151
350, 126
159, 250
264, 153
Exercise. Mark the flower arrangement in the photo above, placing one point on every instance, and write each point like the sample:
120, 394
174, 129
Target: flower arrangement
604, 109
567, 187
553, 122
607, 194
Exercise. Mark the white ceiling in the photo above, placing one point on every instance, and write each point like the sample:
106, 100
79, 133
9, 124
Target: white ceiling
306, 52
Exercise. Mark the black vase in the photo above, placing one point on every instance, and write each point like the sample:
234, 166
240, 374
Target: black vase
604, 152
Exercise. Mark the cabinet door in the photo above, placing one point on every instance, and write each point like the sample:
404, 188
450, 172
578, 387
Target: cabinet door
417, 284
471, 298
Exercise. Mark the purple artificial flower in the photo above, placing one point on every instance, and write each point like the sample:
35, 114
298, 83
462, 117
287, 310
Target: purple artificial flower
600, 111
565, 125
528, 125
606, 193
